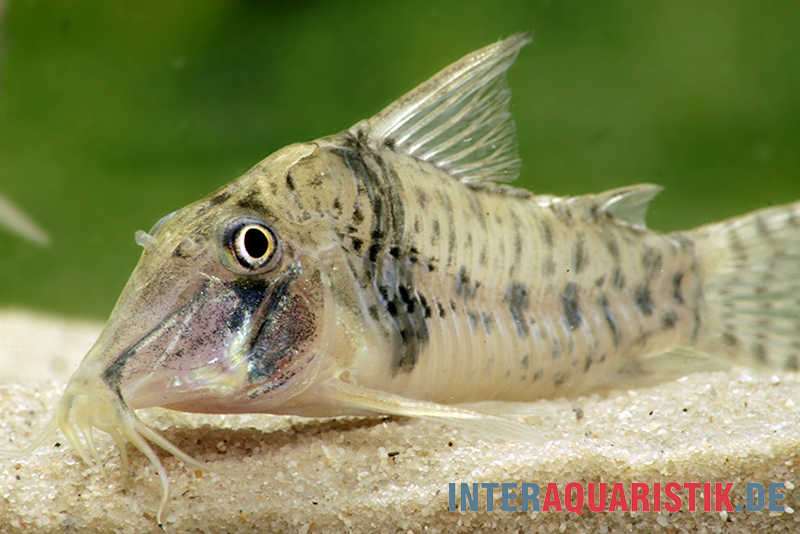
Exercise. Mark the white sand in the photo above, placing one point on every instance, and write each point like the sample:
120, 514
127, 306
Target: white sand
303, 476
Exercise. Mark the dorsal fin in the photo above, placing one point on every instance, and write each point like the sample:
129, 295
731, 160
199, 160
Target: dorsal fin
459, 119
629, 204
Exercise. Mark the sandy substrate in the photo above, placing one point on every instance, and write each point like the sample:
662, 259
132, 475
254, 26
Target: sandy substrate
392, 474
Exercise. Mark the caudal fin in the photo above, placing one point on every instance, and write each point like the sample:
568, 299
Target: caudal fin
752, 287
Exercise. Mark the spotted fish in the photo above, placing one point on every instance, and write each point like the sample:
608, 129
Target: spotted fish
388, 270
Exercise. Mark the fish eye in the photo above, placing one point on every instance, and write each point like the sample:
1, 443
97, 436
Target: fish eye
252, 245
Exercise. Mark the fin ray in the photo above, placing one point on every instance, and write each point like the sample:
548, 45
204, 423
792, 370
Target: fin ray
458, 120
380, 402
629, 204
752, 291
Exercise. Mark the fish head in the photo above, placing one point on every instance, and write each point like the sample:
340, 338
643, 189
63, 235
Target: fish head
230, 307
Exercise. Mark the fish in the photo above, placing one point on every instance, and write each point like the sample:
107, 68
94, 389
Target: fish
391, 269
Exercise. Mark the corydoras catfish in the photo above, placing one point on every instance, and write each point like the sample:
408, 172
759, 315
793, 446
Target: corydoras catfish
385, 270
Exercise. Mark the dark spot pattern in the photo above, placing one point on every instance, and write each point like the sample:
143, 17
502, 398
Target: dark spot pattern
619, 279
729, 339
644, 300
474, 319
578, 256
374, 312
427, 309
697, 320
669, 320
464, 287
451, 245
547, 233
517, 298
677, 293
405, 318
563, 212
218, 199
252, 202
374, 249
487, 322
572, 312
357, 217
652, 261
613, 249
422, 197
737, 245
408, 299
610, 319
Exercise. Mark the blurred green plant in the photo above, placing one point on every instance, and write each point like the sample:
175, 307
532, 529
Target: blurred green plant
115, 113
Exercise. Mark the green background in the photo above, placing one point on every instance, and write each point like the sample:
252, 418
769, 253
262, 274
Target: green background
115, 113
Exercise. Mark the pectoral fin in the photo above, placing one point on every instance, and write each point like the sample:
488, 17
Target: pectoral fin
380, 402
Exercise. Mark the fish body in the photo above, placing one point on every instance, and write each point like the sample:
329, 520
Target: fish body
478, 293
384, 270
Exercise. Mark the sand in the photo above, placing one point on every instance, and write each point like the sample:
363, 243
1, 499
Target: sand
392, 474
